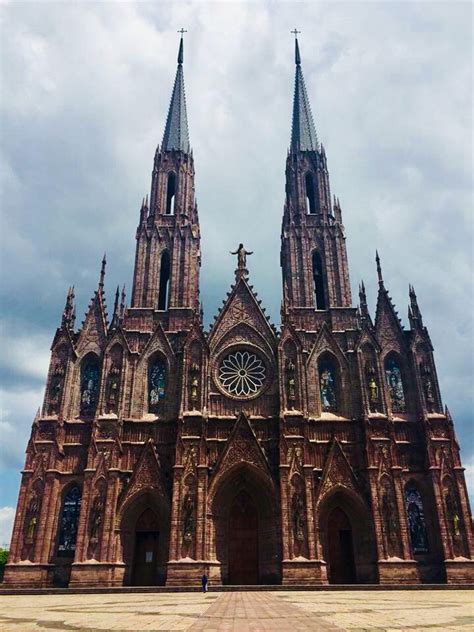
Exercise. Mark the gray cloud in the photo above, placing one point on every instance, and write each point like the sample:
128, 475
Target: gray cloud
85, 90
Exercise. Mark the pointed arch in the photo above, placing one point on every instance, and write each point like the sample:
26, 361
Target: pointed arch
165, 272
171, 193
318, 280
89, 384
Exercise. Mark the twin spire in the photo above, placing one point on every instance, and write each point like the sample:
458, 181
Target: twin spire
303, 131
176, 136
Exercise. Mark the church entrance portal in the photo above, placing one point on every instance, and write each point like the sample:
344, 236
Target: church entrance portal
145, 557
243, 541
340, 548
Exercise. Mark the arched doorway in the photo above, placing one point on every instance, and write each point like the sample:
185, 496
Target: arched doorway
145, 554
347, 537
340, 548
246, 534
243, 541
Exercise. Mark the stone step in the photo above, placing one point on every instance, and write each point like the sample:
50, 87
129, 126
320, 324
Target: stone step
248, 588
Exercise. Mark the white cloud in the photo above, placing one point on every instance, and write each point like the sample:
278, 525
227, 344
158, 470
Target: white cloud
469, 474
26, 354
7, 515
17, 411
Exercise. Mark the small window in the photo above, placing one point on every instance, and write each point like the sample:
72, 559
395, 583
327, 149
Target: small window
171, 194
318, 281
163, 289
68, 523
310, 194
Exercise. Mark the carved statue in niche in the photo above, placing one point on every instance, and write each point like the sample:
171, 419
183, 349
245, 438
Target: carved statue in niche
113, 388
327, 387
416, 521
56, 388
290, 380
194, 384
427, 386
373, 388
389, 514
32, 516
452, 513
298, 516
95, 523
188, 517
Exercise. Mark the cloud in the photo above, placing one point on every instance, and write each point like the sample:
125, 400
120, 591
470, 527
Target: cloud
469, 474
85, 91
7, 515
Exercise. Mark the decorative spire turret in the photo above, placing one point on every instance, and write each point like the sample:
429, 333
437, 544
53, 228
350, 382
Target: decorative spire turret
176, 136
414, 314
303, 131
69, 313
102, 273
115, 317
379, 267
364, 311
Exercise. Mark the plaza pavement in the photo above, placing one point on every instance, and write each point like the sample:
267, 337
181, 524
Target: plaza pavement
381, 611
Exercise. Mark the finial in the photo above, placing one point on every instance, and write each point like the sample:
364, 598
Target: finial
297, 50
122, 302
102, 271
180, 53
379, 268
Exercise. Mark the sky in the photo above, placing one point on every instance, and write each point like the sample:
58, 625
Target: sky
85, 89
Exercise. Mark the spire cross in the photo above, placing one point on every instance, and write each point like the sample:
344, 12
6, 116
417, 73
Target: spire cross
295, 32
182, 31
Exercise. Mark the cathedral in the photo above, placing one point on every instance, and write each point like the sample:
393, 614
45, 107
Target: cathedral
318, 453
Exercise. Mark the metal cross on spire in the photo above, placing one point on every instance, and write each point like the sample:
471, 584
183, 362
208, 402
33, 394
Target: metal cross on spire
295, 32
182, 31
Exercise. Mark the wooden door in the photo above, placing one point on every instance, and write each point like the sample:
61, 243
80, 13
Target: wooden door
145, 557
243, 541
340, 549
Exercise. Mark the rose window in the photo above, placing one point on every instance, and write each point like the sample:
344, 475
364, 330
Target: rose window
242, 373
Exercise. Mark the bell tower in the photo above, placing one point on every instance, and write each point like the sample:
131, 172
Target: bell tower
313, 250
167, 260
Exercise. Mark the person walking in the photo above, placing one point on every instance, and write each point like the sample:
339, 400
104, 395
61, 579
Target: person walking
204, 581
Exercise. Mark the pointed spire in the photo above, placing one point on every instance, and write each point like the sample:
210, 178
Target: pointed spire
176, 136
102, 272
379, 267
303, 132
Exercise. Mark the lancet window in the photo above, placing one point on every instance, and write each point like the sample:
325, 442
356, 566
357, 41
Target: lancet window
68, 523
416, 521
310, 194
163, 289
328, 386
171, 194
156, 383
318, 281
393, 376
90, 375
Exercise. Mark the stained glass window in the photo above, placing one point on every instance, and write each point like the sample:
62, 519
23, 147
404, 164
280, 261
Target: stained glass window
89, 388
393, 375
68, 523
156, 384
327, 386
416, 521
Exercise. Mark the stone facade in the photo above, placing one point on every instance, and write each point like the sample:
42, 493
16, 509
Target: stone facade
318, 453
